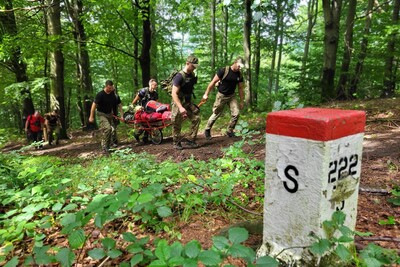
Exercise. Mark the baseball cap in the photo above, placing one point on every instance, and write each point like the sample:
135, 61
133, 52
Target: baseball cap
192, 59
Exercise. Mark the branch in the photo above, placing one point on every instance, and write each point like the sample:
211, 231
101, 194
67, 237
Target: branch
113, 47
129, 28
23, 8
374, 190
378, 238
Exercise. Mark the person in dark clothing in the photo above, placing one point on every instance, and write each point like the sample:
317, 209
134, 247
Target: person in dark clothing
183, 106
226, 80
105, 102
143, 97
52, 124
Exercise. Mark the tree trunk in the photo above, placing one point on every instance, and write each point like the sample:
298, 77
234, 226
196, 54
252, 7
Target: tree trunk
332, 10
363, 50
225, 36
312, 12
15, 64
247, 51
389, 82
274, 51
213, 39
342, 93
57, 96
75, 8
280, 49
146, 46
257, 61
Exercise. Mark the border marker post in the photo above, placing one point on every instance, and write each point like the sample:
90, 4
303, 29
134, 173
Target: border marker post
312, 165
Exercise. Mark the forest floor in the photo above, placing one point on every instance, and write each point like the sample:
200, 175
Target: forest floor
380, 171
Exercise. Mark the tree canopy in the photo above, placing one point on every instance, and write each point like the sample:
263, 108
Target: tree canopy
59, 53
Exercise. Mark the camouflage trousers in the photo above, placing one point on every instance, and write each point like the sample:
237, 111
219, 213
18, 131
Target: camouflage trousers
193, 114
220, 101
107, 127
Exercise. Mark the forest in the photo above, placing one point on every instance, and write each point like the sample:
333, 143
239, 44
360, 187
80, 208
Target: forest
145, 205
59, 53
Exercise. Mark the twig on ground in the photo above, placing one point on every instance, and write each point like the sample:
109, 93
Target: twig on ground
374, 191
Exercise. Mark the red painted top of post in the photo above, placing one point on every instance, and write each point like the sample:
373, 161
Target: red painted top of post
320, 124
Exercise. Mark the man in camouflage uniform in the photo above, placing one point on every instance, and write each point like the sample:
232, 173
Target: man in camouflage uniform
105, 103
182, 105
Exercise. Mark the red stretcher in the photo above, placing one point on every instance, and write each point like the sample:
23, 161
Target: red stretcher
152, 122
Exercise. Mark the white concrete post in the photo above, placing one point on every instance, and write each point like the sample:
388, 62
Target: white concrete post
313, 163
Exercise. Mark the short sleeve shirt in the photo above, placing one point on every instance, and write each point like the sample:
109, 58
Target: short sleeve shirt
186, 85
106, 103
35, 123
232, 79
145, 96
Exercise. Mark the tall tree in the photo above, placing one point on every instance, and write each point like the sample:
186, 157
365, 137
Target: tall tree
213, 38
389, 80
332, 10
75, 11
342, 93
145, 12
14, 62
248, 19
56, 61
363, 49
312, 13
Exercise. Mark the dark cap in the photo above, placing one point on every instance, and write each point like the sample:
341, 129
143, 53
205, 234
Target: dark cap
192, 59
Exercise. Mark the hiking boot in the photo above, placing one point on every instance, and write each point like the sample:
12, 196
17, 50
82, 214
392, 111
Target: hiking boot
178, 146
136, 138
207, 134
192, 144
230, 134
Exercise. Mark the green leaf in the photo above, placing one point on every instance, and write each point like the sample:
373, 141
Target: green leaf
210, 257
68, 219
70, 207
97, 253
41, 255
164, 211
108, 243
158, 263
114, 253
12, 263
145, 197
192, 249
339, 217
163, 251
127, 236
190, 263
267, 261
238, 235
240, 251
320, 247
176, 249
136, 259
76, 239
57, 207
66, 257
220, 242
343, 252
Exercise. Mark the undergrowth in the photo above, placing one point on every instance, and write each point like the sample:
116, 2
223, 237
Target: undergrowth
63, 212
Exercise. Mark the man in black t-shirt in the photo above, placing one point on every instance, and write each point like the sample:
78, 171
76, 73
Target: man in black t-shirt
226, 80
182, 104
106, 102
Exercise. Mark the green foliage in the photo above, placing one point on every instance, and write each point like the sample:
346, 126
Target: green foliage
337, 241
395, 199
